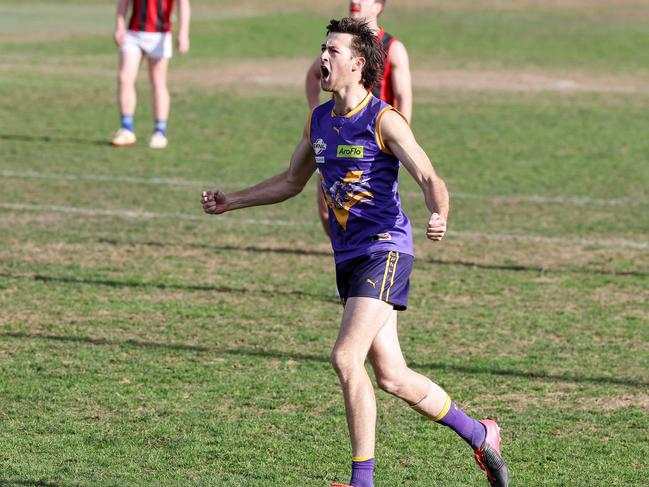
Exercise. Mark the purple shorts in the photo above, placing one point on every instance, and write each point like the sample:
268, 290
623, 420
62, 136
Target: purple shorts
381, 275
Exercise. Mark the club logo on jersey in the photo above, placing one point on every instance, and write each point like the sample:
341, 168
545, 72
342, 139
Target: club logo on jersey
381, 236
350, 151
319, 147
345, 194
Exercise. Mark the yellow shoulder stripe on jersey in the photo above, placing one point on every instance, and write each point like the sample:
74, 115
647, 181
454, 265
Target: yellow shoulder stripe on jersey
379, 137
308, 124
358, 108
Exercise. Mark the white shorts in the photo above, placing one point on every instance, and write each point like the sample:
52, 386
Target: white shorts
156, 45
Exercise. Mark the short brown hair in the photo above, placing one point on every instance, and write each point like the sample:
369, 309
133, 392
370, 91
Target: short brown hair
365, 44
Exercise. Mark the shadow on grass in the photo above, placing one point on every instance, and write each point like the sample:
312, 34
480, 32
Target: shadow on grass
278, 354
56, 139
320, 253
171, 286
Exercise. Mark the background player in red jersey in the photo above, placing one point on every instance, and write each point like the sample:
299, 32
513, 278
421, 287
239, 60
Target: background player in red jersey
394, 88
149, 34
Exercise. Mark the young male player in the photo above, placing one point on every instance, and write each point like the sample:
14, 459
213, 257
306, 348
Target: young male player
357, 142
148, 34
394, 87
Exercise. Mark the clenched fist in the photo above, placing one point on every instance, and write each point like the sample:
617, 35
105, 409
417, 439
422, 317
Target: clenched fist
436, 228
214, 202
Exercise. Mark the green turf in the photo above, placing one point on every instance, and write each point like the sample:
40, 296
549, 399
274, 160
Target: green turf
168, 348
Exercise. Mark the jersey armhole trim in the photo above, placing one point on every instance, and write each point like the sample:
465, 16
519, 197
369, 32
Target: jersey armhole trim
308, 125
379, 137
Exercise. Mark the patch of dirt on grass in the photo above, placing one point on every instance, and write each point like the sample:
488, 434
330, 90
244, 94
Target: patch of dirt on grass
612, 295
290, 73
36, 37
563, 395
276, 72
613, 403
481, 80
13, 218
518, 402
251, 7
280, 74
524, 5
530, 256
30, 321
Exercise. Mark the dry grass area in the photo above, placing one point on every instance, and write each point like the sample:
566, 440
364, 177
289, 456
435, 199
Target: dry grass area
290, 73
232, 7
461, 248
562, 396
282, 74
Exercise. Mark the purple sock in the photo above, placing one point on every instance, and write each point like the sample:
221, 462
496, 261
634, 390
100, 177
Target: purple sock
471, 431
362, 473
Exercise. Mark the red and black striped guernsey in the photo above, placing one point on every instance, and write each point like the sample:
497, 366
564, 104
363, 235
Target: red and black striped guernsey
383, 90
151, 15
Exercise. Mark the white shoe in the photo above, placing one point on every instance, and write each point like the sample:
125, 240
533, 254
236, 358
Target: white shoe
158, 141
123, 138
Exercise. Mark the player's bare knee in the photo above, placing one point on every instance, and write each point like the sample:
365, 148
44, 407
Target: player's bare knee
390, 382
345, 362
125, 78
159, 87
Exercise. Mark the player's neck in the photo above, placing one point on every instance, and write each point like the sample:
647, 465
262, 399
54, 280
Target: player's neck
348, 99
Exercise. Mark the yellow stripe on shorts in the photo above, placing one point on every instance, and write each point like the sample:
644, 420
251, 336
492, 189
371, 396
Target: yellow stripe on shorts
388, 275
385, 274
394, 271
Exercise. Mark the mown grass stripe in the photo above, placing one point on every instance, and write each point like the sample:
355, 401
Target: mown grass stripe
467, 234
513, 199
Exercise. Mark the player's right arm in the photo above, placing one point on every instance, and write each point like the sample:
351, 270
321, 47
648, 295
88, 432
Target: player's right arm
401, 79
273, 190
395, 134
312, 84
120, 22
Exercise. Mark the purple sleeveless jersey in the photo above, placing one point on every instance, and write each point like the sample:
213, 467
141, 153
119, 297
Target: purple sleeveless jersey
359, 181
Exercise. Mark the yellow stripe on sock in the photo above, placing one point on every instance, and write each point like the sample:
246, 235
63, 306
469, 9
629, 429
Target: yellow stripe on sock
361, 459
442, 413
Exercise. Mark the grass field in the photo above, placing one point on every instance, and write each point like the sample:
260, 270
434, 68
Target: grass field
144, 343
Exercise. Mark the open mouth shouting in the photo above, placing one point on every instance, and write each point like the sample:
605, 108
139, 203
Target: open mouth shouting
326, 74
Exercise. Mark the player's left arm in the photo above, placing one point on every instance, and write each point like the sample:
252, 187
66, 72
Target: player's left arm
184, 16
273, 190
401, 79
395, 134
120, 22
312, 84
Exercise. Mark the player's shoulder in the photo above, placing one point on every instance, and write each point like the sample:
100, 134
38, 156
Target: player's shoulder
398, 48
324, 108
390, 113
317, 117
391, 120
